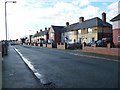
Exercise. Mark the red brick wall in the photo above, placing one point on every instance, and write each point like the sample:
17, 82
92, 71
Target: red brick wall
61, 45
101, 50
57, 37
115, 36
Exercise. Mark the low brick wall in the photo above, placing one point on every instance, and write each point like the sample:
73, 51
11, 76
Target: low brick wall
103, 50
44, 45
52, 45
61, 45
49, 46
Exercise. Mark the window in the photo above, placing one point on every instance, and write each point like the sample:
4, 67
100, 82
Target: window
52, 34
70, 33
119, 38
89, 30
79, 31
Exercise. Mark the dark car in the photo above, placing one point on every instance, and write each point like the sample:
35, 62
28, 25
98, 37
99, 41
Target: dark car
74, 46
101, 43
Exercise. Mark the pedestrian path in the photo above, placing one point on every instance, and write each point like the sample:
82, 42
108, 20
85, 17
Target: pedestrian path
0, 73
16, 74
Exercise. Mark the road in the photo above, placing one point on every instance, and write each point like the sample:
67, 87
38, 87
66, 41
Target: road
68, 69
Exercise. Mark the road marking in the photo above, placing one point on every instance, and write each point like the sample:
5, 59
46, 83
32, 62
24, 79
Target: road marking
28, 63
93, 57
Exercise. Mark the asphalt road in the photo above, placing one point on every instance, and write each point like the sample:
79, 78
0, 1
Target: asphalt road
66, 69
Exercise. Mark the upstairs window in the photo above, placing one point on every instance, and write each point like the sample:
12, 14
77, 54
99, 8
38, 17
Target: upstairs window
79, 31
52, 34
89, 30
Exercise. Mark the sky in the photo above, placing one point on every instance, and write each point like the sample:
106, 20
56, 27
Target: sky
25, 17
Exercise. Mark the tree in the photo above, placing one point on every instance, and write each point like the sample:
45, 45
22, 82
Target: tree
23, 40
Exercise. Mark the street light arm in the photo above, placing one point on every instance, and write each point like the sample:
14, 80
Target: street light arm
11, 1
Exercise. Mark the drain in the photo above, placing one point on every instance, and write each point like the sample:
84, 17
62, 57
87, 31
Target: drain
49, 85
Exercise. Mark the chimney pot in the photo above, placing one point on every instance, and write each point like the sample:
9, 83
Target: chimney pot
40, 30
104, 17
37, 32
49, 28
45, 28
81, 19
67, 23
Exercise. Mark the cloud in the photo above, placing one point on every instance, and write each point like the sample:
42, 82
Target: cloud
113, 10
84, 3
33, 15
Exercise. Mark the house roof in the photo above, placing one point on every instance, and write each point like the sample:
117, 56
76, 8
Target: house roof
59, 29
88, 24
40, 33
116, 18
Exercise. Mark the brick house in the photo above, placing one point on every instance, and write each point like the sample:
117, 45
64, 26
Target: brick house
55, 34
88, 30
116, 30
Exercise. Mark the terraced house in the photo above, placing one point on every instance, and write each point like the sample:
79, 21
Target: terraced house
55, 33
87, 30
40, 37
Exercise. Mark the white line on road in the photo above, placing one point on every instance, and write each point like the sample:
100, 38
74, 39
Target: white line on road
93, 57
36, 73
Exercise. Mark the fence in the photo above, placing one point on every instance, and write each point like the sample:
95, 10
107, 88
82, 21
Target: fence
102, 50
61, 45
52, 45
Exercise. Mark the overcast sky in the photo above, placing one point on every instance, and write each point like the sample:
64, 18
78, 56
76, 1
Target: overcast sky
28, 16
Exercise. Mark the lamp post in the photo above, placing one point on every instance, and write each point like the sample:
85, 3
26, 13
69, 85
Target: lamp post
6, 44
6, 16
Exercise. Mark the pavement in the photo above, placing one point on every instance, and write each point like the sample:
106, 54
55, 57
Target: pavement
0, 73
16, 74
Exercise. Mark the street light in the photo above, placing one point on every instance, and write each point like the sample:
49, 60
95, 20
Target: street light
6, 44
6, 16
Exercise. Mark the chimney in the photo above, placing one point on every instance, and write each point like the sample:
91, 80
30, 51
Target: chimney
81, 19
45, 28
104, 17
67, 23
36, 31
40, 30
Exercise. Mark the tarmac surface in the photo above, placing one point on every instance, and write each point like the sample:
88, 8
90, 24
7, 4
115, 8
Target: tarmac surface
65, 68
16, 74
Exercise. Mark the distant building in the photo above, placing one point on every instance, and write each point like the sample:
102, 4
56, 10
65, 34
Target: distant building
116, 30
40, 37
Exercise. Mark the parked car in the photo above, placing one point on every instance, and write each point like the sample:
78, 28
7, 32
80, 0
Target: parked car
101, 43
91, 43
74, 46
